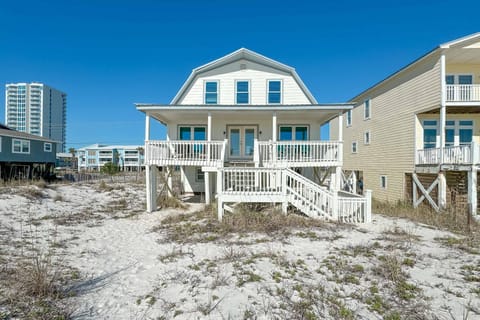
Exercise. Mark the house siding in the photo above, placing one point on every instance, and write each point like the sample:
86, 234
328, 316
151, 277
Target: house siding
36, 155
392, 127
256, 73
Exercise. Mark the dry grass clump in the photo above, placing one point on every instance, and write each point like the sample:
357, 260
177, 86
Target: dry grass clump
33, 288
204, 226
449, 219
164, 201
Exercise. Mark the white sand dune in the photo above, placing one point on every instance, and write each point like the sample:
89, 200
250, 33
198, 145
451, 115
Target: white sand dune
129, 271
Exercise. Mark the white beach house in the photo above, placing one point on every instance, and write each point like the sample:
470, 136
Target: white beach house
245, 128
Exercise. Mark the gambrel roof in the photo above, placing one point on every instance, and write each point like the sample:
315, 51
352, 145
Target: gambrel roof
242, 54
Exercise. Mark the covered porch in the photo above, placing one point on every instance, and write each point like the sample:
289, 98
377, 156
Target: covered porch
208, 138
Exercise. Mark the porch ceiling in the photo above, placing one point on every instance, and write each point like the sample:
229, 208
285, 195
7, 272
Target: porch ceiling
175, 113
463, 55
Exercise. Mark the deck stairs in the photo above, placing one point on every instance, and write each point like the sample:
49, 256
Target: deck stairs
285, 186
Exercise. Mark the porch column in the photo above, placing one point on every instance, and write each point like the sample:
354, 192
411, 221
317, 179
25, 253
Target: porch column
274, 126
147, 127
207, 174
472, 191
442, 106
151, 184
442, 190
207, 187
169, 172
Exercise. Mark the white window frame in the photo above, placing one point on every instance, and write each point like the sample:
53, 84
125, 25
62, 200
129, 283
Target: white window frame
383, 182
348, 118
205, 92
281, 91
368, 103
192, 131
49, 149
354, 147
294, 131
248, 92
0, 144
199, 175
365, 135
21, 141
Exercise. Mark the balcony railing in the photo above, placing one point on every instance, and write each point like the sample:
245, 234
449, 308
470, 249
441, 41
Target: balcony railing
298, 153
463, 92
459, 155
186, 153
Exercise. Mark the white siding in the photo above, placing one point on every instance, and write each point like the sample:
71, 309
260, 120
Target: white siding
257, 74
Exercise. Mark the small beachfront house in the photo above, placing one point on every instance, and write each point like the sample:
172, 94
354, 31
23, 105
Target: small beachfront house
415, 135
245, 128
24, 155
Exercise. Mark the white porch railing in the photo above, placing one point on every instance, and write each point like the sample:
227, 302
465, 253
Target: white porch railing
466, 154
298, 153
463, 92
185, 152
283, 185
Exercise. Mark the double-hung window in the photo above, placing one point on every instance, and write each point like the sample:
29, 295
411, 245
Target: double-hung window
366, 112
349, 118
211, 92
20, 146
274, 94
47, 147
242, 92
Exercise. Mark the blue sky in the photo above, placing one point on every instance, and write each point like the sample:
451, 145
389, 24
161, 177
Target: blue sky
107, 55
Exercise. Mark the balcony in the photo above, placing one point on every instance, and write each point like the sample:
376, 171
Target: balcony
463, 93
185, 153
458, 155
298, 153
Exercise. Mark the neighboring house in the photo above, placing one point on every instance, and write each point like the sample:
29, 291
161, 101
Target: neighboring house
94, 157
37, 109
237, 128
25, 156
415, 135
63, 160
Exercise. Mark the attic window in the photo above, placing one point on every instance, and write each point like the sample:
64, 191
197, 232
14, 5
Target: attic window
243, 66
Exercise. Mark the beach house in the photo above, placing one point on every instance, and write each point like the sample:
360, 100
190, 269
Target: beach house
415, 135
245, 128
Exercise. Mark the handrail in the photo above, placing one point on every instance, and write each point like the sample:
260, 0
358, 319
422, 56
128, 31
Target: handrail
292, 152
185, 152
463, 92
288, 186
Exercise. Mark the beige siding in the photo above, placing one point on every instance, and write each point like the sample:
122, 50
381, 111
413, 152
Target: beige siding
473, 69
255, 73
392, 127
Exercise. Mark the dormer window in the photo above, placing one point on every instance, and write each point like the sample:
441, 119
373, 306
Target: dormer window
274, 94
211, 92
242, 92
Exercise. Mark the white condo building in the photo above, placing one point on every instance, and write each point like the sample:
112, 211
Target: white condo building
37, 109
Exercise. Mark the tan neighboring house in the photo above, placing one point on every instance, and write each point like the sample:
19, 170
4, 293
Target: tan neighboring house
245, 128
415, 135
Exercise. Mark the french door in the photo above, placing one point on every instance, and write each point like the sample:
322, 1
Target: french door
241, 140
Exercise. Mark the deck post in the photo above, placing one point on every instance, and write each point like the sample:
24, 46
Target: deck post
151, 185
335, 213
472, 190
284, 193
209, 138
442, 190
207, 187
368, 206
338, 179
219, 194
